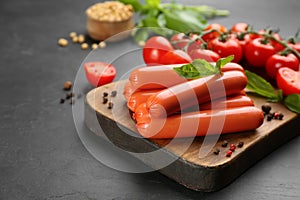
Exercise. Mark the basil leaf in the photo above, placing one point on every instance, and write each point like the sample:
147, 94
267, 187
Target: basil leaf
262, 87
197, 69
187, 71
137, 6
184, 20
292, 102
153, 3
223, 61
140, 34
204, 68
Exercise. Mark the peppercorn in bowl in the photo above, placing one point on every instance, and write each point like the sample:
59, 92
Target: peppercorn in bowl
108, 19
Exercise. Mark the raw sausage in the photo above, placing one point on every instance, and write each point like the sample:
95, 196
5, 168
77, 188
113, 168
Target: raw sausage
139, 97
195, 92
163, 76
201, 123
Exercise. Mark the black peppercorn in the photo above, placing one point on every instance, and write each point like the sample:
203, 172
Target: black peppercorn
280, 117
104, 100
224, 143
240, 144
217, 151
266, 108
61, 101
69, 95
270, 117
110, 105
105, 94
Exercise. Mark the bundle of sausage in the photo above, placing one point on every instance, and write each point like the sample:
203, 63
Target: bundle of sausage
166, 105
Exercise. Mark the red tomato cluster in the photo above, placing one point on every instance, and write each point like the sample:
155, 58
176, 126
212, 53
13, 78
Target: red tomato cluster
253, 49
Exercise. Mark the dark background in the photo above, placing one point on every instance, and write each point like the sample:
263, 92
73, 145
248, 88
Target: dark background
41, 155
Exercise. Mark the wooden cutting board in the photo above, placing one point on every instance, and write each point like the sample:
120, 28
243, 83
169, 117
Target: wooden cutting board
188, 166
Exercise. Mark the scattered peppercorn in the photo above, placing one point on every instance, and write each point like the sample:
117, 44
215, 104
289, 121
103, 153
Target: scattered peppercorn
232, 147
280, 117
113, 93
228, 153
269, 117
240, 144
104, 100
68, 85
276, 115
105, 94
69, 95
224, 143
62, 101
217, 151
110, 105
266, 108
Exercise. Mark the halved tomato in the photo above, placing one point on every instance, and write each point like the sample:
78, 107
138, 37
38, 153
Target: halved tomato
288, 80
99, 73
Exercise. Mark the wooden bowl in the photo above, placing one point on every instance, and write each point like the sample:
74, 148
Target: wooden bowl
108, 19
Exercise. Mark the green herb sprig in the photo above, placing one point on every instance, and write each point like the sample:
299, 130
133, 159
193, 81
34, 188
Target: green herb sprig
168, 18
201, 68
260, 86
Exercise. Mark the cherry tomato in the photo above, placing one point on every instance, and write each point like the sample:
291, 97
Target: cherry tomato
194, 45
257, 53
288, 80
242, 41
214, 34
180, 40
277, 61
239, 27
277, 46
99, 73
226, 48
205, 54
155, 48
296, 46
175, 57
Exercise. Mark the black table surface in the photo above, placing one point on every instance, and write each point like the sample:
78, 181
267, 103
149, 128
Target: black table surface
41, 155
